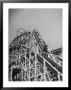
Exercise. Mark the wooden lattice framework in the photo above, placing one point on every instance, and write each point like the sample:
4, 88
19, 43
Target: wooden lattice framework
29, 59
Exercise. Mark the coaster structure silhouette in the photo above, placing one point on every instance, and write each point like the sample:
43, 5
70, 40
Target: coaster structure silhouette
30, 60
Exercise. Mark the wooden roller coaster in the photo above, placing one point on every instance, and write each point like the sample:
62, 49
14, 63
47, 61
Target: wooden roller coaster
30, 60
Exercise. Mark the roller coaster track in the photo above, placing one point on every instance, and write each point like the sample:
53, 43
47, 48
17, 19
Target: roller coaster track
45, 54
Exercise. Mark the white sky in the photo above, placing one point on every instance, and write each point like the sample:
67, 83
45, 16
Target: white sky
47, 21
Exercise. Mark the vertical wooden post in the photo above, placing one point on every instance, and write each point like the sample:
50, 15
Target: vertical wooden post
58, 76
44, 71
35, 65
29, 64
11, 74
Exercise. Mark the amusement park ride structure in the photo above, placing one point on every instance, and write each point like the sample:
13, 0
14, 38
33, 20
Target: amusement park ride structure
30, 60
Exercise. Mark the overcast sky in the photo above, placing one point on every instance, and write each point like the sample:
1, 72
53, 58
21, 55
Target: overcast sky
47, 21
